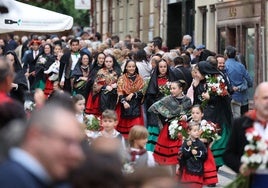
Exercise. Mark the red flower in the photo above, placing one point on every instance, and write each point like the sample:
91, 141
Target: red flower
257, 138
179, 135
249, 152
183, 124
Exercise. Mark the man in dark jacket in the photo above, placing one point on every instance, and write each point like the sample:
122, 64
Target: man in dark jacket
253, 120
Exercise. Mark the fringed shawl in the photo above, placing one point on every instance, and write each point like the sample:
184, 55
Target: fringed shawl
125, 85
170, 106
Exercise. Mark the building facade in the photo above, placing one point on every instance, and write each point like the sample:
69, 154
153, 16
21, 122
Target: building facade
214, 23
144, 19
240, 23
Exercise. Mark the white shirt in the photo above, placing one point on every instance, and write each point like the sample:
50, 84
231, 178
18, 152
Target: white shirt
30, 163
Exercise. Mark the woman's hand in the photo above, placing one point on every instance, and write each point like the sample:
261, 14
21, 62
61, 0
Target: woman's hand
129, 97
183, 118
194, 152
83, 78
109, 88
189, 143
126, 105
13, 85
244, 170
204, 140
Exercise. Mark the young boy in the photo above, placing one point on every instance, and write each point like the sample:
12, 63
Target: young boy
138, 137
109, 121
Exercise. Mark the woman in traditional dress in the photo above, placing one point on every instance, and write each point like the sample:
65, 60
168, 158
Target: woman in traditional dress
105, 84
129, 89
217, 108
173, 106
43, 62
80, 74
50, 82
159, 82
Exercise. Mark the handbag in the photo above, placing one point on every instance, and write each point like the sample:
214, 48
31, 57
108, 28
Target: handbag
133, 111
108, 100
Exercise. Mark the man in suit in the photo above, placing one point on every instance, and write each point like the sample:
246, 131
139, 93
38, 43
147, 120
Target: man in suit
29, 61
253, 120
49, 150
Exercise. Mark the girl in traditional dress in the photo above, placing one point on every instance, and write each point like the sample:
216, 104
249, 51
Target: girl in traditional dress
80, 74
104, 94
213, 106
159, 80
97, 64
43, 62
79, 104
194, 154
210, 177
129, 90
172, 106
49, 82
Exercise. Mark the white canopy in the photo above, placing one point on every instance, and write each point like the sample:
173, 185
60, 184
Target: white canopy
17, 16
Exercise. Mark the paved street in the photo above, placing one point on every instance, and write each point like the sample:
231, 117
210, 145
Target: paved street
225, 175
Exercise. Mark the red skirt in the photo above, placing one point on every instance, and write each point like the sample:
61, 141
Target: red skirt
125, 124
210, 169
48, 88
191, 181
166, 150
93, 105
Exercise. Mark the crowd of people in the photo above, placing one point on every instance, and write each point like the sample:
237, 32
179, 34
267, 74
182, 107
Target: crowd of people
150, 105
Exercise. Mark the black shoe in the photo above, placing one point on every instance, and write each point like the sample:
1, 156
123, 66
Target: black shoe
212, 185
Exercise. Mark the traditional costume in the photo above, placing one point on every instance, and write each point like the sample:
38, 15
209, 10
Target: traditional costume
128, 84
166, 150
152, 95
80, 85
95, 105
213, 110
192, 166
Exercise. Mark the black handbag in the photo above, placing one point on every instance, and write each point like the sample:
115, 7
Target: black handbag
134, 110
108, 100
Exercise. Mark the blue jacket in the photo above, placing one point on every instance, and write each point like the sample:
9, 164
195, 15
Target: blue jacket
240, 78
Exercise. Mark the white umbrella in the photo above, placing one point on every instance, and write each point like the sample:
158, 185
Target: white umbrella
17, 16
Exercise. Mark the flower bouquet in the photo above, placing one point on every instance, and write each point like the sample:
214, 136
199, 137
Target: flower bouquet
165, 89
255, 157
177, 129
92, 122
215, 86
41, 60
209, 130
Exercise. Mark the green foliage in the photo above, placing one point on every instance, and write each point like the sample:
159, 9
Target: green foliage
81, 17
